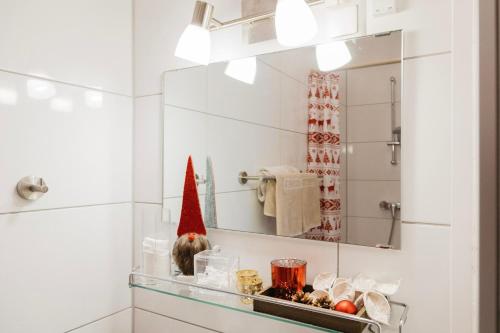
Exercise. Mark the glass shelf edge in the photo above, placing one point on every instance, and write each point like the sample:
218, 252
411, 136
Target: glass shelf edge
155, 285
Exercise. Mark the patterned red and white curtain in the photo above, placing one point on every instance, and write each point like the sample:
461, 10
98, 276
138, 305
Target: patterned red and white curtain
324, 151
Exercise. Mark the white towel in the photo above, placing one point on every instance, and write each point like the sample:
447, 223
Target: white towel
266, 190
297, 203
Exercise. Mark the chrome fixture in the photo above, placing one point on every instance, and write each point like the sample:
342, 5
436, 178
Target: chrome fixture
31, 188
243, 177
295, 25
395, 131
393, 207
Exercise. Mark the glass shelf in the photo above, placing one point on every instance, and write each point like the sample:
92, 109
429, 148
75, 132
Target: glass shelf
234, 301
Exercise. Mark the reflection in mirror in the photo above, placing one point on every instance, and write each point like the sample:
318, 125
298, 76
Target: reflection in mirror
301, 143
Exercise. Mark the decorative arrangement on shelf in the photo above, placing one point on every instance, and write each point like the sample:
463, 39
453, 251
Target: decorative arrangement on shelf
360, 297
191, 231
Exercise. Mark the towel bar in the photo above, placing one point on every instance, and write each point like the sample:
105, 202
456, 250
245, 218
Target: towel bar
243, 177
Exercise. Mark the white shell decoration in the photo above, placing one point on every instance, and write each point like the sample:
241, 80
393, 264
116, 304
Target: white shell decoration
323, 281
342, 291
318, 294
377, 307
363, 283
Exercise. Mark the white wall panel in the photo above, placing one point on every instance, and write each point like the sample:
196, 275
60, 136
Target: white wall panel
78, 140
86, 43
148, 144
64, 268
426, 140
423, 266
148, 322
120, 322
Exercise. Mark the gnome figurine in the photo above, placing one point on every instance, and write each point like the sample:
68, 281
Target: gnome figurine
191, 231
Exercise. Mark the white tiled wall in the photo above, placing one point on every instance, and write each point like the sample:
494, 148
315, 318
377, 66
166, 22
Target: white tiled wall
371, 178
425, 260
66, 115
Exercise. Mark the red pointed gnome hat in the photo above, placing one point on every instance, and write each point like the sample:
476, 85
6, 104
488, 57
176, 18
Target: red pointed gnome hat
191, 218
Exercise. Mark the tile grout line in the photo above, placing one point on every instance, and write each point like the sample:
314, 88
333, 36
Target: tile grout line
98, 319
75, 85
65, 207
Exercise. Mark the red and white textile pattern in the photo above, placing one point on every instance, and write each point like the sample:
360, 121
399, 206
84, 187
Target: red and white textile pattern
324, 151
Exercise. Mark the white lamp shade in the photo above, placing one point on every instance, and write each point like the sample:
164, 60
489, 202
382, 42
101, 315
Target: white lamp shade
332, 55
243, 70
194, 45
294, 22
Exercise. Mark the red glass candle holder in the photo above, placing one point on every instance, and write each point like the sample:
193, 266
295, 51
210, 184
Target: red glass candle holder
288, 276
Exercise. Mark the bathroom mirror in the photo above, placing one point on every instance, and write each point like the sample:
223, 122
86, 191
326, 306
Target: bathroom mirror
294, 111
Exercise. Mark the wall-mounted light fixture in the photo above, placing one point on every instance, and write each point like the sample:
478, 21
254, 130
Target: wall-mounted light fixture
295, 25
194, 44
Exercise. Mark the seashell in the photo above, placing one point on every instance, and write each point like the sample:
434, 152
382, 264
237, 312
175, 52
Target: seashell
323, 281
363, 283
317, 294
342, 291
377, 307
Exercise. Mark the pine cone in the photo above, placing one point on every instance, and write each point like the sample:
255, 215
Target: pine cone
322, 302
301, 297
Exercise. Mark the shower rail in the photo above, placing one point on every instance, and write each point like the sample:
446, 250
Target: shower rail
395, 131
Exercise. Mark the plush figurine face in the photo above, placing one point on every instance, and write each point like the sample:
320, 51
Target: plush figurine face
185, 248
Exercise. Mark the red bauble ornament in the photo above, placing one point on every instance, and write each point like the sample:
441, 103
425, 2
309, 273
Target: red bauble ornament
346, 307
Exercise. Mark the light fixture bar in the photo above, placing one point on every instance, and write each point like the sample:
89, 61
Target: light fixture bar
218, 25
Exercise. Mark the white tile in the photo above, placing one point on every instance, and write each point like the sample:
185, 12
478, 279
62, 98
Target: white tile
372, 122
364, 197
372, 231
258, 103
147, 219
370, 85
426, 141
120, 322
157, 27
238, 146
86, 42
230, 205
213, 317
422, 264
426, 25
186, 133
148, 143
148, 322
294, 113
80, 145
68, 261
286, 62
256, 251
371, 161
293, 149
187, 88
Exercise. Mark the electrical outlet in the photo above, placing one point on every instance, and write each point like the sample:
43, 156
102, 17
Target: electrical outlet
383, 7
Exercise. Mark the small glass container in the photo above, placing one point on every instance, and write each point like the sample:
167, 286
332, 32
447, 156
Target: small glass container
216, 269
248, 282
288, 276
